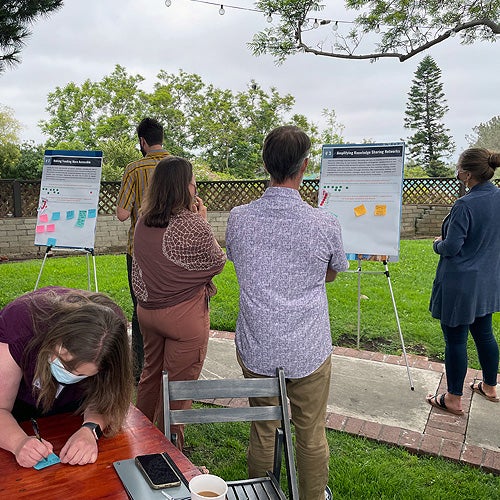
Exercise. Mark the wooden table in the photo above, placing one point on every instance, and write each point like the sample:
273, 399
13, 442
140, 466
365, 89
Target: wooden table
98, 480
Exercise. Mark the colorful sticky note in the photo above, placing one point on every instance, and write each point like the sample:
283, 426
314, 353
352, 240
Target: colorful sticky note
51, 242
51, 228
92, 213
40, 229
380, 210
56, 215
47, 462
70, 214
359, 210
43, 218
82, 215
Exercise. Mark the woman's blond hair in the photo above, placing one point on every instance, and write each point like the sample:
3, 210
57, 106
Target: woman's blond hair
94, 330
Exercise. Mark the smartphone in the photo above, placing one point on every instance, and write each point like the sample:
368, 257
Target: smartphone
157, 471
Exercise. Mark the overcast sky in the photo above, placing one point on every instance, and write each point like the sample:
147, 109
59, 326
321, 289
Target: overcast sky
86, 39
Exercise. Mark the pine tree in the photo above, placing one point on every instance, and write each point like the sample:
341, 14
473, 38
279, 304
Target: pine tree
425, 109
15, 19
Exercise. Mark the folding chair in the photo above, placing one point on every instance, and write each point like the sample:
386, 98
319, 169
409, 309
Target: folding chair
257, 488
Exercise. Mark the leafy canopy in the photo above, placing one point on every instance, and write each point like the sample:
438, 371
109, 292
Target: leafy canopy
221, 128
398, 28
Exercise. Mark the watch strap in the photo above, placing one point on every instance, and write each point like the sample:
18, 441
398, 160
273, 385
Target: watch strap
95, 428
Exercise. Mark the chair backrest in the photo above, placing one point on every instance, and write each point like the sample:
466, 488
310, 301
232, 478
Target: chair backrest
207, 390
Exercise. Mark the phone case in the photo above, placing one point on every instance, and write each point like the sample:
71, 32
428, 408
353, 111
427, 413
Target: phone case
157, 471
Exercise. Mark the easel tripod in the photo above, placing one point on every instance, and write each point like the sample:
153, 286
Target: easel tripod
359, 271
88, 252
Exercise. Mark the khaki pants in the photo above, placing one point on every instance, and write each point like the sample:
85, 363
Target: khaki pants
308, 398
175, 340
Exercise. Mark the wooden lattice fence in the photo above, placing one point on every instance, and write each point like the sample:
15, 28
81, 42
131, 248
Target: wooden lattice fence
20, 198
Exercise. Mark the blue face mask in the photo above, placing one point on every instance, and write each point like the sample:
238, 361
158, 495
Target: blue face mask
62, 375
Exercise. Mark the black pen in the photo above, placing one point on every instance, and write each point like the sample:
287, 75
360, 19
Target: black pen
34, 424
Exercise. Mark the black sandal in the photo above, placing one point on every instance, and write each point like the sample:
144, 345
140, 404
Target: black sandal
438, 401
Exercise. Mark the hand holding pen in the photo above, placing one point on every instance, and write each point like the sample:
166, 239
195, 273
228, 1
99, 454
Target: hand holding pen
36, 430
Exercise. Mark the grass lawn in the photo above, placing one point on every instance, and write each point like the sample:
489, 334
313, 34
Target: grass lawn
359, 469
411, 280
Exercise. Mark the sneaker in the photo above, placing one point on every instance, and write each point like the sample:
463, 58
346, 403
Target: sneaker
328, 493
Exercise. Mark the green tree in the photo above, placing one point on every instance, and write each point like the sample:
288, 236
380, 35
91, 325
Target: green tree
228, 129
425, 110
30, 163
174, 102
217, 127
16, 17
486, 135
9, 140
82, 115
400, 28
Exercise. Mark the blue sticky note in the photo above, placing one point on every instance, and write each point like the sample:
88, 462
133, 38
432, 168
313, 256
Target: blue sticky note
82, 215
70, 214
51, 242
56, 215
47, 462
92, 213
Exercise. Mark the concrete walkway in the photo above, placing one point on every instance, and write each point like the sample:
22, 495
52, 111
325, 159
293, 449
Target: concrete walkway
370, 397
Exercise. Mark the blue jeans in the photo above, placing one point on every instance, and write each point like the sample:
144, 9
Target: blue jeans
456, 352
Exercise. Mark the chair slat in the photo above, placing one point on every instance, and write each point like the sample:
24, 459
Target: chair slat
220, 388
207, 415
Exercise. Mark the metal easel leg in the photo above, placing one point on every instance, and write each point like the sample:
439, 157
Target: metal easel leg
95, 271
47, 250
91, 251
412, 387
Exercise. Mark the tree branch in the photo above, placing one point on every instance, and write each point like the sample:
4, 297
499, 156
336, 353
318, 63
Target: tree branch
495, 28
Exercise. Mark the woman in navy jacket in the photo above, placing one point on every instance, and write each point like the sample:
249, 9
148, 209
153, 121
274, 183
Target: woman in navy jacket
466, 289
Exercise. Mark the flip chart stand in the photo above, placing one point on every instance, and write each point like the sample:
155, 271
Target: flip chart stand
88, 252
359, 271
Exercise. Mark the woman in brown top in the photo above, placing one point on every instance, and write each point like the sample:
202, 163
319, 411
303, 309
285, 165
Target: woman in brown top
175, 258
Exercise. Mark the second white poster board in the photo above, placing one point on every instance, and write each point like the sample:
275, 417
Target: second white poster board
361, 184
69, 199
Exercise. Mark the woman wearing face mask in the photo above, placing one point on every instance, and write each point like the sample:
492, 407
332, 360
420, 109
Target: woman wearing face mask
63, 350
466, 289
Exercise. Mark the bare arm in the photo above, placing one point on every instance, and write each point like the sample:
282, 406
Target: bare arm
27, 449
330, 275
122, 214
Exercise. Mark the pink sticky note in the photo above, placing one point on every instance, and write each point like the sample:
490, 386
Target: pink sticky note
40, 229
51, 228
43, 218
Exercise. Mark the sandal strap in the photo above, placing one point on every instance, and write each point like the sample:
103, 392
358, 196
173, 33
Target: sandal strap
442, 404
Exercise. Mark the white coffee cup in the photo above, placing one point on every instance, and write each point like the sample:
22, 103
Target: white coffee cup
207, 486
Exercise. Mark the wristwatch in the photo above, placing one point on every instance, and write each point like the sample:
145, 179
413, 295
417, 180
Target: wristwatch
95, 428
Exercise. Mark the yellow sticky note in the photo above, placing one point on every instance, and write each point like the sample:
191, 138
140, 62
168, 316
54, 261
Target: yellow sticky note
359, 210
381, 210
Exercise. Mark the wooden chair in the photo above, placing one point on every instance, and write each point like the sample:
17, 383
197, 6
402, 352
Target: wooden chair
257, 488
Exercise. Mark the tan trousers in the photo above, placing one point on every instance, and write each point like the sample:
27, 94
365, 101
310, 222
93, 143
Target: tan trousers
175, 340
308, 399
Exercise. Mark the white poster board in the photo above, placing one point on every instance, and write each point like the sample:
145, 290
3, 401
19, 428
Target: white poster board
69, 199
362, 185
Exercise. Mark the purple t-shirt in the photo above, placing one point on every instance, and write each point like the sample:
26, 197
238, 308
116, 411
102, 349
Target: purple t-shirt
281, 248
16, 330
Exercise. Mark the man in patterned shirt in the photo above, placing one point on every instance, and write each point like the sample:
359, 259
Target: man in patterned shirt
134, 183
283, 252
